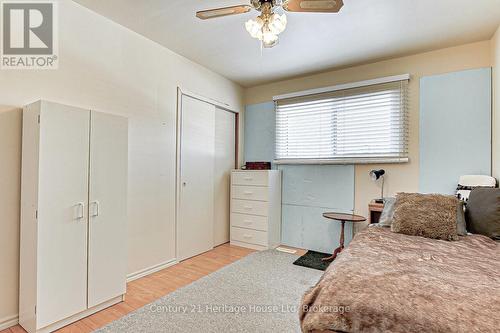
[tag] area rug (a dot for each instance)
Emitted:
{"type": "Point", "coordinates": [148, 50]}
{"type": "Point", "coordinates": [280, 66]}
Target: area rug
{"type": "Point", "coordinates": [259, 293]}
{"type": "Point", "coordinates": [312, 259]}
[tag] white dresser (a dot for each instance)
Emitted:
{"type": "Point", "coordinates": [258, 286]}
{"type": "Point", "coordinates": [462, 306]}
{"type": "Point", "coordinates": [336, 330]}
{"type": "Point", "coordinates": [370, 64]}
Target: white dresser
{"type": "Point", "coordinates": [256, 209]}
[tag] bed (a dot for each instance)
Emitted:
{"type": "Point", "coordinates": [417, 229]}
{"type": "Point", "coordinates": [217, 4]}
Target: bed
{"type": "Point", "coordinates": [389, 282]}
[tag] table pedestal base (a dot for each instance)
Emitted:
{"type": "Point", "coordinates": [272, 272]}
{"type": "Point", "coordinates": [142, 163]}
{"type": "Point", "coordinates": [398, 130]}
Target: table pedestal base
{"type": "Point", "coordinates": [334, 255]}
{"type": "Point", "coordinates": [340, 248]}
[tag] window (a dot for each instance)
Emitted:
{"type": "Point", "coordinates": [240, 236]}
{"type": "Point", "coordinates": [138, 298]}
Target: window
{"type": "Point", "coordinates": [366, 124]}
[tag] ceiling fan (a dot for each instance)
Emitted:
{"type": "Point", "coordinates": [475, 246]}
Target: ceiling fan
{"type": "Point", "coordinates": [269, 24]}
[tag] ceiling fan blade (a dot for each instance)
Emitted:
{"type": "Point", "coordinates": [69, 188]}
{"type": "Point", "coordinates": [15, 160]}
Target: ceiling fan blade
{"type": "Point", "coordinates": [225, 11]}
{"type": "Point", "coordinates": [313, 6]}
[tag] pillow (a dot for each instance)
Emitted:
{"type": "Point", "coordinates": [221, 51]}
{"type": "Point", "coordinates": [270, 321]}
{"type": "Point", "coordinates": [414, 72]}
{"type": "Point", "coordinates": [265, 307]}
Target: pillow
{"type": "Point", "coordinates": [483, 212]}
{"type": "Point", "coordinates": [388, 213]}
{"type": "Point", "coordinates": [426, 215]}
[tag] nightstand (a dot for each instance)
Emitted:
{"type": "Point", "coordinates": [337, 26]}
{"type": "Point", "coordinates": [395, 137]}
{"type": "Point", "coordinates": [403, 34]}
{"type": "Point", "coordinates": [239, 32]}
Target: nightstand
{"type": "Point", "coordinates": [374, 211]}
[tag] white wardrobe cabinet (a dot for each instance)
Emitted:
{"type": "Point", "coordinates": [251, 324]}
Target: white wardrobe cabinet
{"type": "Point", "coordinates": [73, 214]}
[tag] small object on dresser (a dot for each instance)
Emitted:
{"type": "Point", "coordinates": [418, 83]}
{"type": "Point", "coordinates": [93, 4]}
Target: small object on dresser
{"type": "Point", "coordinates": [257, 166]}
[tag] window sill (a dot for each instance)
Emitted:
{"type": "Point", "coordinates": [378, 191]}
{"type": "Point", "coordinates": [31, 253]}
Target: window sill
{"type": "Point", "coordinates": [347, 161]}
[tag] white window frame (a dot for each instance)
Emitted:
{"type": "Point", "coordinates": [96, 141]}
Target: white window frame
{"type": "Point", "coordinates": [345, 86]}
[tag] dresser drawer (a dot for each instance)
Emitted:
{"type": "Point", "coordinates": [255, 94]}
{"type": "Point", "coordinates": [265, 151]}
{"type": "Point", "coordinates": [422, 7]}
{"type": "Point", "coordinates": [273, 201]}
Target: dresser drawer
{"type": "Point", "coordinates": [249, 221]}
{"type": "Point", "coordinates": [250, 193]}
{"type": "Point", "coordinates": [249, 207]}
{"type": "Point", "coordinates": [253, 178]}
{"type": "Point", "coordinates": [249, 236]}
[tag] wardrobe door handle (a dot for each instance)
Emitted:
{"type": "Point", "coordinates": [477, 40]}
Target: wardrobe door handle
{"type": "Point", "coordinates": [96, 208]}
{"type": "Point", "coordinates": [80, 214]}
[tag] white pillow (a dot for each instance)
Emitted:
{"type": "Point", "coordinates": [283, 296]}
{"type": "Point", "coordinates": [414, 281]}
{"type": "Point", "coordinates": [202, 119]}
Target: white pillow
{"type": "Point", "coordinates": [467, 183]}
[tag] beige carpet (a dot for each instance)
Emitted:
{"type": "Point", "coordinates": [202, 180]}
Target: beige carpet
{"type": "Point", "coordinates": [259, 293]}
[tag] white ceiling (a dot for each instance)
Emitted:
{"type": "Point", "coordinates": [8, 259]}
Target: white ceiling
{"type": "Point", "coordinates": [364, 30]}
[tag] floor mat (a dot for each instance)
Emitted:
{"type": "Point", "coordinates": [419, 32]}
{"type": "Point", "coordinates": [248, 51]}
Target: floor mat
{"type": "Point", "coordinates": [312, 259]}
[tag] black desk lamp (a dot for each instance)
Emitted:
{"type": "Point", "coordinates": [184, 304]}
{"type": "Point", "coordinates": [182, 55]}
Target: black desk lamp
{"type": "Point", "coordinates": [376, 175]}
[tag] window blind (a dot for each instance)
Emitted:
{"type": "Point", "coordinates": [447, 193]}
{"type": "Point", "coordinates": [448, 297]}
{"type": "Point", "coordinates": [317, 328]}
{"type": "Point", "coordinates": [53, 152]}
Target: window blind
{"type": "Point", "coordinates": [357, 125]}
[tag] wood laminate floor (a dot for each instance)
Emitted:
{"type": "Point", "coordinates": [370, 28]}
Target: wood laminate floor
{"type": "Point", "coordinates": [147, 289]}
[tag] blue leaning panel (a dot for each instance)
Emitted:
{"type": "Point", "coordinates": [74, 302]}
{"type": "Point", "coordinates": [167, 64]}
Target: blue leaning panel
{"type": "Point", "coordinates": [306, 228]}
{"type": "Point", "coordinates": [260, 132]}
{"type": "Point", "coordinates": [455, 128]}
{"type": "Point", "coordinates": [308, 192]}
{"type": "Point", "coordinates": [319, 186]}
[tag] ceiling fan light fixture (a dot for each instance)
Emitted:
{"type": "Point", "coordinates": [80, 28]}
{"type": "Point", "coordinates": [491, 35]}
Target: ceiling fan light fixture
{"type": "Point", "coordinates": [270, 44]}
{"type": "Point", "coordinates": [277, 23]}
{"type": "Point", "coordinates": [269, 39]}
{"type": "Point", "coordinates": [254, 27]}
{"type": "Point", "coordinates": [267, 26]}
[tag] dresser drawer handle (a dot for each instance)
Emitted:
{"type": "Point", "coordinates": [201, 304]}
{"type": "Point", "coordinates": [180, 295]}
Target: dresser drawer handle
{"type": "Point", "coordinates": [247, 193]}
{"type": "Point", "coordinates": [247, 236]}
{"type": "Point", "coordinates": [248, 222]}
{"type": "Point", "coordinates": [248, 207]}
{"type": "Point", "coordinates": [248, 178]}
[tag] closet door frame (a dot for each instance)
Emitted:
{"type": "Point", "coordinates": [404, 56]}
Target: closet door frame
{"type": "Point", "coordinates": [180, 93]}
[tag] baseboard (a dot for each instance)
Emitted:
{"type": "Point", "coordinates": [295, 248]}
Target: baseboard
{"type": "Point", "coordinates": [150, 270]}
{"type": "Point", "coordinates": [9, 322]}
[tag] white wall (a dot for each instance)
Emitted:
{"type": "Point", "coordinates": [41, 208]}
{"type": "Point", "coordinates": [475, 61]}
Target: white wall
{"type": "Point", "coordinates": [107, 67]}
{"type": "Point", "coordinates": [495, 61]}
{"type": "Point", "coordinates": [10, 194]}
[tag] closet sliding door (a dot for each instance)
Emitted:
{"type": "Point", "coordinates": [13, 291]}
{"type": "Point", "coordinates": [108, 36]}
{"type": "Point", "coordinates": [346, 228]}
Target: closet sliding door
{"type": "Point", "coordinates": [207, 156]}
{"type": "Point", "coordinates": [107, 269]}
{"type": "Point", "coordinates": [195, 224]}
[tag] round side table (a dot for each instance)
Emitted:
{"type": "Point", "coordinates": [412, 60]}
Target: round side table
{"type": "Point", "coordinates": [342, 218]}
